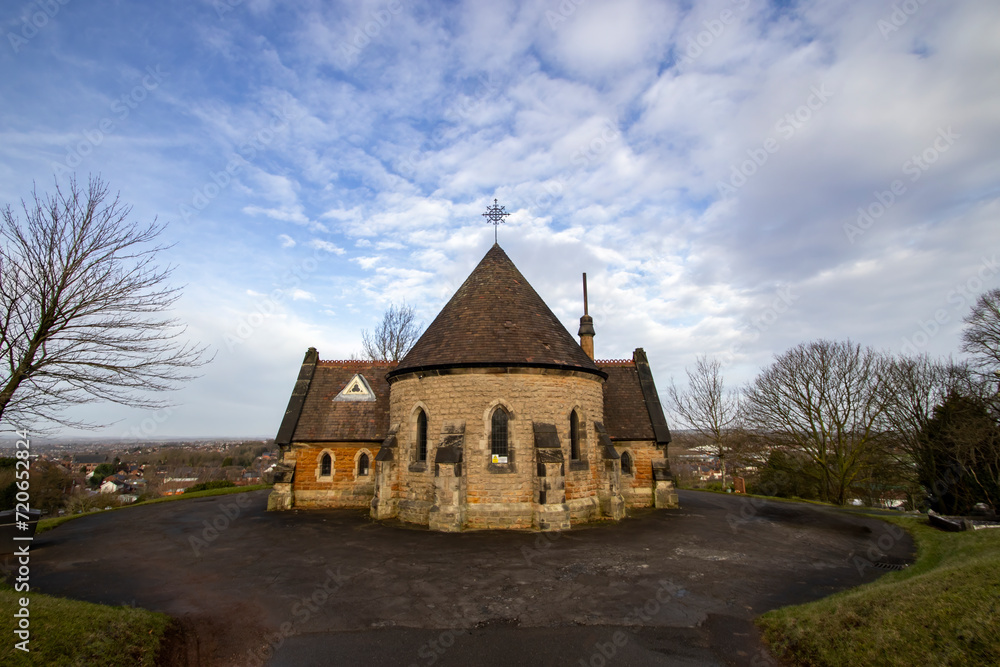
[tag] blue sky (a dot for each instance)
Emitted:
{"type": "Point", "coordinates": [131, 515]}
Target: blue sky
{"type": "Point", "coordinates": [734, 176]}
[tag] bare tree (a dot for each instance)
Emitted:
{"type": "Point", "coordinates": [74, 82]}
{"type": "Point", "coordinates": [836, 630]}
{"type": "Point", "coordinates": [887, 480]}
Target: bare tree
{"type": "Point", "coordinates": [708, 407]}
{"type": "Point", "coordinates": [944, 434]}
{"type": "Point", "coordinates": [81, 303]}
{"type": "Point", "coordinates": [981, 337]}
{"type": "Point", "coordinates": [916, 385]}
{"type": "Point", "coordinates": [393, 337]}
{"type": "Point", "coordinates": [826, 399]}
{"type": "Point", "coordinates": [960, 465]}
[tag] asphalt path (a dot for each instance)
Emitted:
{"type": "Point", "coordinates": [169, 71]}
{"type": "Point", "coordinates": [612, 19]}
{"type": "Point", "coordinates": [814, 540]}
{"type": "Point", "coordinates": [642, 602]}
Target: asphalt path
{"type": "Point", "coordinates": [332, 587]}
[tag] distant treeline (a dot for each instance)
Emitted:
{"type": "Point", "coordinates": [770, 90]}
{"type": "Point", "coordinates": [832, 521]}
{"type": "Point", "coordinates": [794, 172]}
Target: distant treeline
{"type": "Point", "coordinates": [242, 455]}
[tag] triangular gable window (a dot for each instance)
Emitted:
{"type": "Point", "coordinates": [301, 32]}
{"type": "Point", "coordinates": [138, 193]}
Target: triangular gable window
{"type": "Point", "coordinates": [357, 389]}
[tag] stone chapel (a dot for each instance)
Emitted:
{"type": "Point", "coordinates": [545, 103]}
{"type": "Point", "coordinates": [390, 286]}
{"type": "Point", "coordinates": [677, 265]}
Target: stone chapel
{"type": "Point", "coordinates": [496, 418]}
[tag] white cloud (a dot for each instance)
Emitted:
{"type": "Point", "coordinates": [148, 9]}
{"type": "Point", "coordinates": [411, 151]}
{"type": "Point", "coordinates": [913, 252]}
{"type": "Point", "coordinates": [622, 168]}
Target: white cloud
{"type": "Point", "coordinates": [320, 244]}
{"type": "Point", "coordinates": [283, 214]}
{"type": "Point", "coordinates": [604, 38]}
{"type": "Point", "coordinates": [607, 150]}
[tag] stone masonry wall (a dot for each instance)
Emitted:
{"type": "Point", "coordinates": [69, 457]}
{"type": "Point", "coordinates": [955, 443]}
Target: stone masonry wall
{"type": "Point", "coordinates": [344, 487]}
{"type": "Point", "coordinates": [637, 488]}
{"type": "Point", "coordinates": [496, 496]}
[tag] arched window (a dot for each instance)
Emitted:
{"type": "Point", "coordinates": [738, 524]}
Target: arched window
{"type": "Point", "coordinates": [574, 437]}
{"type": "Point", "coordinates": [363, 465]}
{"type": "Point", "coordinates": [421, 435]}
{"type": "Point", "coordinates": [626, 463]}
{"type": "Point", "coordinates": [498, 433]}
{"type": "Point", "coordinates": [325, 465]}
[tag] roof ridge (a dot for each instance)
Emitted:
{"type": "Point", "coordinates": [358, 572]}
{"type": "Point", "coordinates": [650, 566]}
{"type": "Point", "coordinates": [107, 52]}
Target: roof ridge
{"type": "Point", "coordinates": [357, 362]}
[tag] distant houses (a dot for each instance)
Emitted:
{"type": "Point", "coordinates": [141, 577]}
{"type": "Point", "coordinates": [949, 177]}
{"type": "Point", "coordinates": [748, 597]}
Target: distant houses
{"type": "Point", "coordinates": [88, 462]}
{"type": "Point", "coordinates": [125, 483]}
{"type": "Point", "coordinates": [176, 480]}
{"type": "Point", "coordinates": [83, 481]}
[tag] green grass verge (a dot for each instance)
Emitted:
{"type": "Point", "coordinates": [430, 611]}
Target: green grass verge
{"type": "Point", "coordinates": [942, 610]}
{"type": "Point", "coordinates": [50, 523]}
{"type": "Point", "coordinates": [70, 632]}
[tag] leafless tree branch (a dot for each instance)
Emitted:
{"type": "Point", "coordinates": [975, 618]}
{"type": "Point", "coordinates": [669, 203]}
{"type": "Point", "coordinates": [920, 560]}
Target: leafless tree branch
{"type": "Point", "coordinates": [981, 337]}
{"type": "Point", "coordinates": [81, 303]}
{"type": "Point", "coordinates": [708, 407]}
{"type": "Point", "coordinates": [827, 400]}
{"type": "Point", "coordinates": [393, 337]}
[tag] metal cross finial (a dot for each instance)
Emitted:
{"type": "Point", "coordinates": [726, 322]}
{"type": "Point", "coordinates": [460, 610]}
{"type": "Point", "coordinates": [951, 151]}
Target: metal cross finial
{"type": "Point", "coordinates": [495, 215]}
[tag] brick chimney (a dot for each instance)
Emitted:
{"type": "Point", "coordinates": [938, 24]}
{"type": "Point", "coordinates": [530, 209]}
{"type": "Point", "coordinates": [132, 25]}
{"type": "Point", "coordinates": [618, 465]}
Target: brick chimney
{"type": "Point", "coordinates": [586, 332]}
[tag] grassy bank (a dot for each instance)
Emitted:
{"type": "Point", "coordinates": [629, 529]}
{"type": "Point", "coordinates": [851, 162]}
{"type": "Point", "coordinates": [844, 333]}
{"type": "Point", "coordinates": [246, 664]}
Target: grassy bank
{"type": "Point", "coordinates": [70, 632]}
{"type": "Point", "coordinates": [943, 610]}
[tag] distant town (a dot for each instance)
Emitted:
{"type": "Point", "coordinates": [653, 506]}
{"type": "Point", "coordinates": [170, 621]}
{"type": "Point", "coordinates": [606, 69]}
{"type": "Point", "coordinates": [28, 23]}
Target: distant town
{"type": "Point", "coordinates": [73, 476]}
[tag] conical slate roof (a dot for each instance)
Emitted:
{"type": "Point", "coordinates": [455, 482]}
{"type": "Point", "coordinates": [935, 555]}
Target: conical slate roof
{"type": "Point", "coordinates": [496, 319]}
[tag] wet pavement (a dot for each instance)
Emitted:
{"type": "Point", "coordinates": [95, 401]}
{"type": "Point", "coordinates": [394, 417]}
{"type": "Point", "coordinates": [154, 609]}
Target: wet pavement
{"type": "Point", "coordinates": [332, 587]}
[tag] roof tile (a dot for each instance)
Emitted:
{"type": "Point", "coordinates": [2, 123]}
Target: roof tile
{"type": "Point", "coordinates": [496, 318]}
{"type": "Point", "coordinates": [625, 414]}
{"type": "Point", "coordinates": [324, 419]}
